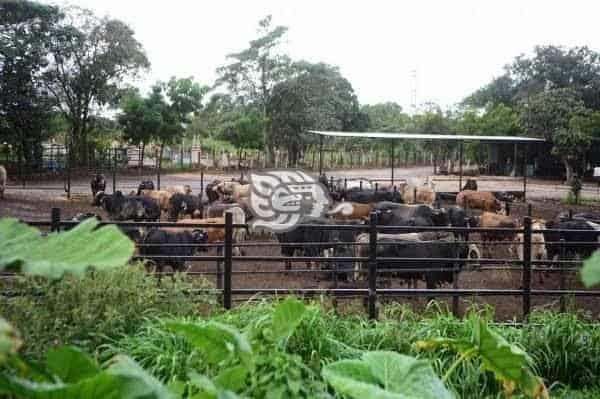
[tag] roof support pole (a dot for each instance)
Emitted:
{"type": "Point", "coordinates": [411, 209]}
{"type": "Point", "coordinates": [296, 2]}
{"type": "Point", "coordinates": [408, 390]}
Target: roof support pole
{"type": "Point", "coordinates": [320, 155]}
{"type": "Point", "coordinates": [393, 155]}
{"type": "Point", "coordinates": [460, 165]}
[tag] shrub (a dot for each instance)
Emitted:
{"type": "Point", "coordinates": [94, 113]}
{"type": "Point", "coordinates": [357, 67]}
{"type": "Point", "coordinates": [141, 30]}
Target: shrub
{"type": "Point", "coordinates": [102, 305]}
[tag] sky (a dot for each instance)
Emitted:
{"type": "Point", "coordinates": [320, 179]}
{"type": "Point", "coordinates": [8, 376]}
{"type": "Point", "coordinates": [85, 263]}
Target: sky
{"type": "Point", "coordinates": [453, 46]}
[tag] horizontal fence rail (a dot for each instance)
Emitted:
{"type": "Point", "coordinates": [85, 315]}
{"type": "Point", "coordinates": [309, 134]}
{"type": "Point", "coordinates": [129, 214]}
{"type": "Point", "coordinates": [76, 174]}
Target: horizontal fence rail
{"type": "Point", "coordinates": [362, 266]}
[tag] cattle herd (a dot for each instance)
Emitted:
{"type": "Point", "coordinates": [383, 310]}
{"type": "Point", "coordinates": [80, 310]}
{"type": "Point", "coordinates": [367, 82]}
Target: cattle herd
{"type": "Point", "coordinates": [355, 202]}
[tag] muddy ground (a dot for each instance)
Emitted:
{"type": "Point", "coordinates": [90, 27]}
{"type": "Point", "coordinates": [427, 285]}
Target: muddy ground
{"type": "Point", "coordinates": [32, 204]}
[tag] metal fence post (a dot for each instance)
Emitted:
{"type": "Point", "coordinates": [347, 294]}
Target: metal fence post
{"type": "Point", "coordinates": [372, 299]}
{"type": "Point", "coordinates": [201, 184]}
{"type": "Point", "coordinates": [529, 210]}
{"type": "Point", "coordinates": [526, 267]}
{"type": "Point", "coordinates": [55, 217]}
{"type": "Point", "coordinates": [507, 207]}
{"type": "Point", "coordinates": [227, 254]}
{"type": "Point", "coordinates": [158, 165]}
{"type": "Point", "coordinates": [561, 276]}
{"type": "Point", "coordinates": [114, 170]}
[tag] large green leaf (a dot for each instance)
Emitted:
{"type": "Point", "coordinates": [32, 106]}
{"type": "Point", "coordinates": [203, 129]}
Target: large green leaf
{"type": "Point", "coordinates": [385, 375]}
{"type": "Point", "coordinates": [134, 382]}
{"type": "Point", "coordinates": [405, 374]}
{"type": "Point", "coordinates": [71, 364]}
{"type": "Point", "coordinates": [208, 388]}
{"type": "Point", "coordinates": [71, 252]}
{"type": "Point", "coordinates": [124, 379]}
{"type": "Point", "coordinates": [233, 378]}
{"type": "Point", "coordinates": [215, 341]}
{"type": "Point", "coordinates": [510, 364]}
{"type": "Point", "coordinates": [590, 272]}
{"type": "Point", "coordinates": [287, 316]}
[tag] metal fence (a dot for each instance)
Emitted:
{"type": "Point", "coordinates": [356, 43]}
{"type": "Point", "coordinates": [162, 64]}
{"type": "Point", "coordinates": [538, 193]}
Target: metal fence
{"type": "Point", "coordinates": [227, 265]}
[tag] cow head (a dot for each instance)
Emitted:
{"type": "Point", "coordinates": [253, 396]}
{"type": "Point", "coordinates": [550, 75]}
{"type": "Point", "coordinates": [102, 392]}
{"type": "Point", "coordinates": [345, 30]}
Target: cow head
{"type": "Point", "coordinates": [145, 185]}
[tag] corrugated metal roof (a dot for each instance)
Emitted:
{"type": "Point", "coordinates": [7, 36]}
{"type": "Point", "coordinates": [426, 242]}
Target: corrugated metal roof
{"type": "Point", "coordinates": [420, 136]}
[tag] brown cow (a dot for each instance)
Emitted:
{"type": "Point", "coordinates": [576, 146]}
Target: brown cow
{"type": "Point", "coordinates": [351, 211]}
{"type": "Point", "coordinates": [160, 196]}
{"type": "Point", "coordinates": [484, 200]}
{"type": "Point", "coordinates": [217, 234]}
{"type": "Point", "coordinates": [425, 194]}
{"type": "Point", "coordinates": [492, 220]}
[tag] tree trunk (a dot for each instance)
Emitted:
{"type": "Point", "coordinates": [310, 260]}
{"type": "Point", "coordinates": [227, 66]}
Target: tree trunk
{"type": "Point", "coordinates": [568, 171]}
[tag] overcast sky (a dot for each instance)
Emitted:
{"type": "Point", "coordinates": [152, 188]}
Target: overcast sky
{"type": "Point", "coordinates": [454, 46]}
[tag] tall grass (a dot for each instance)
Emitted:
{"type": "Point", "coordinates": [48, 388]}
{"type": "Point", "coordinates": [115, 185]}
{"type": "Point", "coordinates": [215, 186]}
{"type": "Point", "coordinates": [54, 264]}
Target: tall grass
{"type": "Point", "coordinates": [565, 347]}
{"type": "Point", "coordinates": [102, 305]}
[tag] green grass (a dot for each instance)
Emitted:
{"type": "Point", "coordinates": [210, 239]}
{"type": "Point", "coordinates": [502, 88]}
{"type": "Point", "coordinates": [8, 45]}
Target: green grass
{"type": "Point", "coordinates": [565, 347]}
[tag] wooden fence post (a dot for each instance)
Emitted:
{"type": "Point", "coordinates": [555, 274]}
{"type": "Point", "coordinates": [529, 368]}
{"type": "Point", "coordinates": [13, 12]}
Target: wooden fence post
{"type": "Point", "coordinates": [526, 267]}
{"type": "Point", "coordinates": [227, 255]}
{"type": "Point", "coordinates": [372, 300]}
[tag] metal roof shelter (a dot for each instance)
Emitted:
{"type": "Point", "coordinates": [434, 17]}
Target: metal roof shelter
{"type": "Point", "coordinates": [431, 137]}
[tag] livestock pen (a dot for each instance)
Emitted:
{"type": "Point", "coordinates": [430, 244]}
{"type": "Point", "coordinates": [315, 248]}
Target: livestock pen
{"type": "Point", "coordinates": [232, 279]}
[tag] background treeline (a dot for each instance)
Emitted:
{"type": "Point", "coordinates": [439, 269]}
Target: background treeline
{"type": "Point", "coordinates": [64, 69]}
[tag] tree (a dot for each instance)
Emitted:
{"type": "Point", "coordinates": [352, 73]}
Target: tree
{"type": "Point", "coordinates": [244, 130]}
{"type": "Point", "coordinates": [253, 73]}
{"type": "Point", "coordinates": [90, 58]}
{"type": "Point", "coordinates": [550, 67]}
{"type": "Point", "coordinates": [25, 109]}
{"type": "Point", "coordinates": [385, 117]}
{"type": "Point", "coordinates": [139, 121]}
{"type": "Point", "coordinates": [214, 117]}
{"type": "Point", "coordinates": [175, 101]}
{"type": "Point", "coordinates": [316, 97]}
{"type": "Point", "coordinates": [571, 145]}
{"type": "Point", "coordinates": [560, 116]}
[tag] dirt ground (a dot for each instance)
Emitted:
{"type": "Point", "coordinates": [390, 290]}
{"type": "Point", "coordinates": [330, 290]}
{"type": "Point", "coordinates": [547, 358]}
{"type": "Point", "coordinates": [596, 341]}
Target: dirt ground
{"type": "Point", "coordinates": [35, 204]}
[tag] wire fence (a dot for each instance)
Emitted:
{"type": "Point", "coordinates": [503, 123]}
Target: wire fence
{"type": "Point", "coordinates": [364, 260]}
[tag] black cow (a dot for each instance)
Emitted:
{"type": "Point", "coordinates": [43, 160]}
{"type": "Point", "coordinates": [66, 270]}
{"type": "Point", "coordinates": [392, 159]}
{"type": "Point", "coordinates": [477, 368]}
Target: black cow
{"type": "Point", "coordinates": [152, 245]}
{"type": "Point", "coordinates": [303, 234]}
{"type": "Point", "coordinates": [370, 196]}
{"type": "Point", "coordinates": [98, 184]}
{"type": "Point", "coordinates": [120, 207]}
{"type": "Point", "coordinates": [571, 249]}
{"type": "Point", "coordinates": [145, 185]}
{"type": "Point", "coordinates": [419, 246]}
{"type": "Point", "coordinates": [184, 204]}
{"type": "Point", "coordinates": [593, 217]}
{"type": "Point", "coordinates": [471, 184]}
{"type": "Point", "coordinates": [410, 215]}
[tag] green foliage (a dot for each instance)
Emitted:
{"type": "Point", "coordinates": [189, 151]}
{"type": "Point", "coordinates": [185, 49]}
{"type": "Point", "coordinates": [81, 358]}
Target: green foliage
{"type": "Point", "coordinates": [590, 273]}
{"type": "Point", "coordinates": [73, 252]}
{"type": "Point", "coordinates": [509, 363]}
{"type": "Point", "coordinates": [385, 375]}
{"type": "Point", "coordinates": [96, 308]}
{"type": "Point", "coordinates": [71, 374]}
{"type": "Point", "coordinates": [26, 109]}
{"type": "Point", "coordinates": [565, 348]}
{"type": "Point", "coordinates": [91, 57]}
{"type": "Point", "coordinates": [157, 349]}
